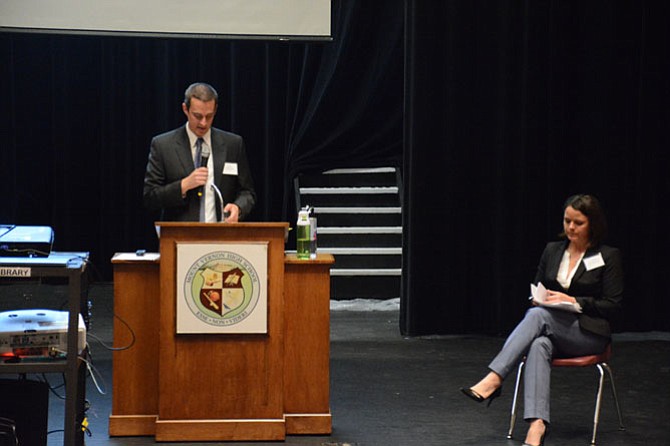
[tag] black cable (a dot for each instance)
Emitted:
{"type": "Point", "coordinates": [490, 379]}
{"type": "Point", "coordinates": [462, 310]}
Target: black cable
{"type": "Point", "coordinates": [31, 252]}
{"type": "Point", "coordinates": [53, 389]}
{"type": "Point", "coordinates": [117, 349]}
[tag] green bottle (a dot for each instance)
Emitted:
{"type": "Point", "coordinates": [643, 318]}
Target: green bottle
{"type": "Point", "coordinates": [303, 238]}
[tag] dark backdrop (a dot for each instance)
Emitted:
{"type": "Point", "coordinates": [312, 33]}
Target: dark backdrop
{"type": "Point", "coordinates": [512, 106]}
{"type": "Point", "coordinates": [77, 115]}
{"type": "Point", "coordinates": [497, 110]}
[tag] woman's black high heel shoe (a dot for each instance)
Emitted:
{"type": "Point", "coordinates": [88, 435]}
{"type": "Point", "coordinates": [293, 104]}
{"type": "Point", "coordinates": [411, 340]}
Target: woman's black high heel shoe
{"type": "Point", "coordinates": [477, 397]}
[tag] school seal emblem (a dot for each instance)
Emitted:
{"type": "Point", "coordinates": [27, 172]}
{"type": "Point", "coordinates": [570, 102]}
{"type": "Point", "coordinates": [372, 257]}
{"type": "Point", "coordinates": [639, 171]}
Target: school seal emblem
{"type": "Point", "coordinates": [221, 288]}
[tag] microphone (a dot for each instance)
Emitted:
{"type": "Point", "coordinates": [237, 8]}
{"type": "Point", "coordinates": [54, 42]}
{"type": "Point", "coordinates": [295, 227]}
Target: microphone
{"type": "Point", "coordinates": [204, 158]}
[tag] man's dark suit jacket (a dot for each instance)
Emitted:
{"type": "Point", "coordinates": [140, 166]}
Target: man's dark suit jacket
{"type": "Point", "coordinates": [170, 160]}
{"type": "Point", "coordinates": [599, 291]}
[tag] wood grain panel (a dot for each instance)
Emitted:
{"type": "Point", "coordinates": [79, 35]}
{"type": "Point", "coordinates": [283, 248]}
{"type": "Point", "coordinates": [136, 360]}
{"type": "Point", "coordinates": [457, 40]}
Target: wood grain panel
{"type": "Point", "coordinates": [307, 351]}
{"type": "Point", "coordinates": [220, 377]}
{"type": "Point", "coordinates": [135, 369]}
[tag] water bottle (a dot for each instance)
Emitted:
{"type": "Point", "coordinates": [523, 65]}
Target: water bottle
{"type": "Point", "coordinates": [312, 235]}
{"type": "Point", "coordinates": [303, 236]}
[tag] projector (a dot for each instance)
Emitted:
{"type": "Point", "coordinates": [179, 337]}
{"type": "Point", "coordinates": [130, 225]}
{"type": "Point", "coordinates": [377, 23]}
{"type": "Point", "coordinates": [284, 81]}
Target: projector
{"type": "Point", "coordinates": [37, 333]}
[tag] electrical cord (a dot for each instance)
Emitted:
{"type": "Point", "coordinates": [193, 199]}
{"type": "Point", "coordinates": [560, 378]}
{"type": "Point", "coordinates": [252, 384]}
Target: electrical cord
{"type": "Point", "coordinates": [92, 370]}
{"type": "Point", "coordinates": [117, 349]}
{"type": "Point", "coordinates": [102, 389]}
{"type": "Point", "coordinates": [53, 389]}
{"type": "Point", "coordinates": [29, 251]}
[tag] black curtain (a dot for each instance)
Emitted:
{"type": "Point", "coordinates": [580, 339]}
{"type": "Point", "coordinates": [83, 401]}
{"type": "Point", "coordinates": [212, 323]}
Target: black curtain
{"type": "Point", "coordinates": [78, 112]}
{"type": "Point", "coordinates": [498, 110]}
{"type": "Point", "coordinates": [512, 106]}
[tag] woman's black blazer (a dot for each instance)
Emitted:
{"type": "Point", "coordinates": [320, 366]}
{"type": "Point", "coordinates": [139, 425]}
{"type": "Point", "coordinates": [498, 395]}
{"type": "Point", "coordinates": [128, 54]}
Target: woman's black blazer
{"type": "Point", "coordinates": [599, 291]}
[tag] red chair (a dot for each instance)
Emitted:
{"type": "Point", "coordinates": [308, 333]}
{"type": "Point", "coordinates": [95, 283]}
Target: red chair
{"type": "Point", "coordinates": [600, 361]}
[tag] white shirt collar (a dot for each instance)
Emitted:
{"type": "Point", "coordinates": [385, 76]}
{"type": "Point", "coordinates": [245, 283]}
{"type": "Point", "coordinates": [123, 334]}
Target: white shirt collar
{"type": "Point", "coordinates": [564, 276]}
{"type": "Point", "coordinates": [192, 138]}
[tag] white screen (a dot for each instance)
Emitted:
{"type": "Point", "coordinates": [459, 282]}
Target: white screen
{"type": "Point", "coordinates": [217, 18]}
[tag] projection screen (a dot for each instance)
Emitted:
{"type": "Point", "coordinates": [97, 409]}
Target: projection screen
{"type": "Point", "coordinates": [261, 19]}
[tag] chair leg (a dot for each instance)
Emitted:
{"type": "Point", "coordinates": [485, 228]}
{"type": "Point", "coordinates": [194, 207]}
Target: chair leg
{"type": "Point", "coordinates": [596, 414]}
{"type": "Point", "coordinates": [614, 395]}
{"type": "Point", "coordinates": [512, 419]}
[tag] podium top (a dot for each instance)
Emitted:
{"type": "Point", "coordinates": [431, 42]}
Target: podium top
{"type": "Point", "coordinates": [154, 257]}
{"type": "Point", "coordinates": [321, 258]}
{"type": "Point", "coordinates": [203, 229]}
{"type": "Point", "coordinates": [134, 257]}
{"type": "Point", "coordinates": [195, 224]}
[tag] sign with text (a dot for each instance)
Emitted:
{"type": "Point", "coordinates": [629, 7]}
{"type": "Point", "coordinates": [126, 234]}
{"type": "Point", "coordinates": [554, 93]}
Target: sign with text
{"type": "Point", "coordinates": [15, 272]}
{"type": "Point", "coordinates": [222, 287]}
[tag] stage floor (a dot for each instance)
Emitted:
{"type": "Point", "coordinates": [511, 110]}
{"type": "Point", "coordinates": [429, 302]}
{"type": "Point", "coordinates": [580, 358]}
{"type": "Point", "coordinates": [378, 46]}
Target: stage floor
{"type": "Point", "coordinates": [387, 390]}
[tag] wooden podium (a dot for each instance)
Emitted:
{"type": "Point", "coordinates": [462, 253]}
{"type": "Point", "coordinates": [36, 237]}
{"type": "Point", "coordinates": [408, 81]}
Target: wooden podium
{"type": "Point", "coordinates": [221, 387]}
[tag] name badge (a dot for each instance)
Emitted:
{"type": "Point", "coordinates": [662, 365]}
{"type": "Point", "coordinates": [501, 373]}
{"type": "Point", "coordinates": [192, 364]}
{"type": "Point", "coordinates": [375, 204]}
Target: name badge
{"type": "Point", "coordinates": [230, 169]}
{"type": "Point", "coordinates": [594, 262]}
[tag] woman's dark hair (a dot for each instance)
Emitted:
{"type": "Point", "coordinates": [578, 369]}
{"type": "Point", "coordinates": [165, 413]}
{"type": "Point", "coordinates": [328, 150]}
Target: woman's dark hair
{"type": "Point", "coordinates": [590, 207]}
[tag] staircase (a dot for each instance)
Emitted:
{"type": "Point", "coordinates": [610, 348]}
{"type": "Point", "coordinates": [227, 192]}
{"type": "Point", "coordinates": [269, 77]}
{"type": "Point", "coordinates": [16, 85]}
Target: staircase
{"type": "Point", "coordinates": [359, 221]}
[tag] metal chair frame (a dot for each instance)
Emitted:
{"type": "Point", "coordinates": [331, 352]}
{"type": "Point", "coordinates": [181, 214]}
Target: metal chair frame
{"type": "Point", "coordinates": [600, 362]}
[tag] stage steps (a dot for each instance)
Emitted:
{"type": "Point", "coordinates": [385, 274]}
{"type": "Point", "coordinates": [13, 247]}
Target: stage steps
{"type": "Point", "coordinates": [359, 218]}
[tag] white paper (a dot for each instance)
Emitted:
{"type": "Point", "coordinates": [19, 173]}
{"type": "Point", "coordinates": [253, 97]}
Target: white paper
{"type": "Point", "coordinates": [538, 292]}
{"type": "Point", "coordinates": [594, 262]}
{"type": "Point", "coordinates": [539, 296]}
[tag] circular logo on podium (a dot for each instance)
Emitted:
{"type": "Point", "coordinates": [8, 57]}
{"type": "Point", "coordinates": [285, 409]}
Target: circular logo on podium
{"type": "Point", "coordinates": [221, 288]}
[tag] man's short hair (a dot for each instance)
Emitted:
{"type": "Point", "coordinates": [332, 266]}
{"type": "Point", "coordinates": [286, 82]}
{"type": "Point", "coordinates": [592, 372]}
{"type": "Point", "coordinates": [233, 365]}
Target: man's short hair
{"type": "Point", "coordinates": [202, 91]}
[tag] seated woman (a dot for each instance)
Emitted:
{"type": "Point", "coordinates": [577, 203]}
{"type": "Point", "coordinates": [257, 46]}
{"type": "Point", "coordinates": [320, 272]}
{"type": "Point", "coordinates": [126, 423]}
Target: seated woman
{"type": "Point", "coordinates": [578, 270]}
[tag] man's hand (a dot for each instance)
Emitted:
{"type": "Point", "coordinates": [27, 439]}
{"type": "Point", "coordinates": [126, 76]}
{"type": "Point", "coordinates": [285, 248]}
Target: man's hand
{"type": "Point", "coordinates": [234, 213]}
{"type": "Point", "coordinates": [195, 179]}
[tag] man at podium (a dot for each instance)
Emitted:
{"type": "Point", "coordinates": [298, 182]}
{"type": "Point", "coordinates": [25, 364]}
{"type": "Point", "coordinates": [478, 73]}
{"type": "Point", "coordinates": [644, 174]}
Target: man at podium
{"type": "Point", "coordinates": [197, 172]}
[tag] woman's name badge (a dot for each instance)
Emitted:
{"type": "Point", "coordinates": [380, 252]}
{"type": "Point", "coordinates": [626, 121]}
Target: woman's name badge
{"type": "Point", "coordinates": [230, 169]}
{"type": "Point", "coordinates": [594, 262]}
